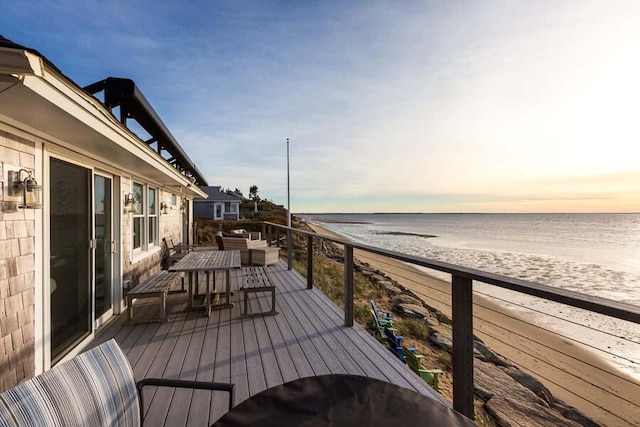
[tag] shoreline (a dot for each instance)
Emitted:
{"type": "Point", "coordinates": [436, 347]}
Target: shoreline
{"type": "Point", "coordinates": [562, 366]}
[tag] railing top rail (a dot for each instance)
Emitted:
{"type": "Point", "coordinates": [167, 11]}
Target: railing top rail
{"type": "Point", "coordinates": [596, 304]}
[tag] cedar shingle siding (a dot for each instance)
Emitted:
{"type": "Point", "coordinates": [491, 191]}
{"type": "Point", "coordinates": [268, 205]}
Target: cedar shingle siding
{"type": "Point", "coordinates": [17, 273]}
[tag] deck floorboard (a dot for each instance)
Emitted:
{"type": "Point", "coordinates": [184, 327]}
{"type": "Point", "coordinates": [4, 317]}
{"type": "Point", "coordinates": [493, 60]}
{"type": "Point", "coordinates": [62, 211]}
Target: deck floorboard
{"type": "Point", "coordinates": [306, 338]}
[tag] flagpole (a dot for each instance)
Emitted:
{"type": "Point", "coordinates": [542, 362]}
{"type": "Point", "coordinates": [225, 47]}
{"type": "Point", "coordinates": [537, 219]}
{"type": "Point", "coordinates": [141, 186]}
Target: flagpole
{"type": "Point", "coordinates": [288, 189]}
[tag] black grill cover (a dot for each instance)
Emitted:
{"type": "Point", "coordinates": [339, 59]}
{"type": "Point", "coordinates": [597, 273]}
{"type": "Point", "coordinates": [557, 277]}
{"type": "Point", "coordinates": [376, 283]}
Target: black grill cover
{"type": "Point", "coordinates": [341, 400]}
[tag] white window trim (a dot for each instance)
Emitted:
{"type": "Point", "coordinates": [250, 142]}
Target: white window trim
{"type": "Point", "coordinates": [153, 217]}
{"type": "Point", "coordinates": [146, 247]}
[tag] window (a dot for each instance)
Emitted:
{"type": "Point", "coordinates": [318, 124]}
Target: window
{"type": "Point", "coordinates": [145, 217]}
{"type": "Point", "coordinates": [138, 216]}
{"type": "Point", "coordinates": [174, 200]}
{"type": "Point", "coordinates": [153, 217]}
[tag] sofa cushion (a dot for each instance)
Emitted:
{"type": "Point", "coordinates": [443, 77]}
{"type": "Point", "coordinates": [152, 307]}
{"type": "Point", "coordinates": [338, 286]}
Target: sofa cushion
{"type": "Point", "coordinates": [96, 388]}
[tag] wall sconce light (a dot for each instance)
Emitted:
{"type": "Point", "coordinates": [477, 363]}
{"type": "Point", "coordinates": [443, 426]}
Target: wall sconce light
{"type": "Point", "coordinates": [184, 204]}
{"type": "Point", "coordinates": [28, 190]}
{"type": "Point", "coordinates": [129, 202]}
{"type": "Point", "coordinates": [164, 208]}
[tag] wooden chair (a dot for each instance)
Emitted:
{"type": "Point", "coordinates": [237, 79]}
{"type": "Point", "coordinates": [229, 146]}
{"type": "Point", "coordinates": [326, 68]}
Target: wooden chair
{"type": "Point", "coordinates": [380, 325]}
{"type": "Point", "coordinates": [429, 375]}
{"type": "Point", "coordinates": [395, 343]}
{"type": "Point", "coordinates": [175, 253]}
{"type": "Point", "coordinates": [382, 314]}
{"type": "Point", "coordinates": [180, 247]}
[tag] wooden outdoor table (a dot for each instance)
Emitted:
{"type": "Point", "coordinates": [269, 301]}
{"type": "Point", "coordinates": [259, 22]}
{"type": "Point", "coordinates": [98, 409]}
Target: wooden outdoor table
{"type": "Point", "coordinates": [208, 262]}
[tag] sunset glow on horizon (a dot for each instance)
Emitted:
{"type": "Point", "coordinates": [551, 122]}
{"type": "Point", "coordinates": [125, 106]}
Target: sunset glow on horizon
{"type": "Point", "coordinates": [421, 106]}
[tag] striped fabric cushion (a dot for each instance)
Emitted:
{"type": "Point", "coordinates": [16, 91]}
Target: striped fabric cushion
{"type": "Point", "coordinates": [94, 389]}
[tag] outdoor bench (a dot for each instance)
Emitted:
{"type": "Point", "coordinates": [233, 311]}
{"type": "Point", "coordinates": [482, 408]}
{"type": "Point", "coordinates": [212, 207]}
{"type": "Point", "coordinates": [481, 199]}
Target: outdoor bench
{"type": "Point", "coordinates": [257, 281]}
{"type": "Point", "coordinates": [96, 388]}
{"type": "Point", "coordinates": [156, 286]}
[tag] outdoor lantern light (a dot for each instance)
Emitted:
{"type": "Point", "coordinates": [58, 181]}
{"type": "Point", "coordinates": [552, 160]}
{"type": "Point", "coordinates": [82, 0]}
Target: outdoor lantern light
{"type": "Point", "coordinates": [129, 202]}
{"type": "Point", "coordinates": [28, 189]}
{"type": "Point", "coordinates": [164, 208]}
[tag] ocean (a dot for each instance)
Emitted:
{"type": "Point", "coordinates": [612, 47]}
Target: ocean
{"type": "Point", "coordinates": [595, 254]}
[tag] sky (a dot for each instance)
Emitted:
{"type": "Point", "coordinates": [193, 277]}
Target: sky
{"type": "Point", "coordinates": [389, 106]}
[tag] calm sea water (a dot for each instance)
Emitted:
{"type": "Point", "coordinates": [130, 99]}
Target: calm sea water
{"type": "Point", "coordinates": [596, 254]}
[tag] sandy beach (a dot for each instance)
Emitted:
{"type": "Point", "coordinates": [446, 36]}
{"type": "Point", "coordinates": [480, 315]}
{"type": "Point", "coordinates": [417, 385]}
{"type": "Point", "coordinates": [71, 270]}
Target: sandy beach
{"type": "Point", "coordinates": [608, 395]}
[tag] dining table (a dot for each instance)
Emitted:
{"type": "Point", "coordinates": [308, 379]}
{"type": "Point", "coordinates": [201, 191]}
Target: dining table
{"type": "Point", "coordinates": [342, 400]}
{"type": "Point", "coordinates": [208, 262]}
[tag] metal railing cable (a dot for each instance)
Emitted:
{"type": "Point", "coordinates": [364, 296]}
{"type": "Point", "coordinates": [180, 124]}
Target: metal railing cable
{"type": "Point", "coordinates": [409, 278]}
{"type": "Point", "coordinates": [553, 349]}
{"type": "Point", "coordinates": [558, 333]}
{"type": "Point", "coordinates": [559, 318]}
{"type": "Point", "coordinates": [538, 374]}
{"type": "Point", "coordinates": [448, 304]}
{"type": "Point", "coordinates": [541, 344]}
{"type": "Point", "coordinates": [551, 331]}
{"type": "Point", "coordinates": [525, 307]}
{"type": "Point", "coordinates": [537, 327]}
{"type": "Point", "coordinates": [549, 362]}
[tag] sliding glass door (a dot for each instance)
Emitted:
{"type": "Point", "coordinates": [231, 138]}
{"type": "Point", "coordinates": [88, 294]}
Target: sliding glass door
{"type": "Point", "coordinates": [70, 256]}
{"type": "Point", "coordinates": [81, 250]}
{"type": "Point", "coordinates": [104, 247]}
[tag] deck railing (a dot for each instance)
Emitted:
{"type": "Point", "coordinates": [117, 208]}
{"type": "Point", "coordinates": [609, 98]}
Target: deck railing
{"type": "Point", "coordinates": [462, 279]}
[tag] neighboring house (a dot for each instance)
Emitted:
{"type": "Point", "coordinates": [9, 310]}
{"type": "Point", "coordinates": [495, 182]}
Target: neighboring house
{"type": "Point", "coordinates": [107, 200]}
{"type": "Point", "coordinates": [219, 205]}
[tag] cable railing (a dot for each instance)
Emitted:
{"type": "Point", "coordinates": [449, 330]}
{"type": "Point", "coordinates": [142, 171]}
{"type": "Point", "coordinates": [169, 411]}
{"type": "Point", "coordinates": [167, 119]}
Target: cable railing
{"type": "Point", "coordinates": [462, 307]}
{"type": "Point", "coordinates": [481, 330]}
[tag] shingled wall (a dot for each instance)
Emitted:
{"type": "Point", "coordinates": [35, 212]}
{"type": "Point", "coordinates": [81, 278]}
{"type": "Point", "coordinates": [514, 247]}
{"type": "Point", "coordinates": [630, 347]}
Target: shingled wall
{"type": "Point", "coordinates": [17, 273]}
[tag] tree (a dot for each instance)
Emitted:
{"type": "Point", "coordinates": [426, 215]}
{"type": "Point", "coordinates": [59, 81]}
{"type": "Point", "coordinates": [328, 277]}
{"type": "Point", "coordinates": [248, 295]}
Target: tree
{"type": "Point", "coordinates": [253, 192]}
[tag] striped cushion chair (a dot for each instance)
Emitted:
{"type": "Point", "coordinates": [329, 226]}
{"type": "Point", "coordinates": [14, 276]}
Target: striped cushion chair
{"type": "Point", "coordinates": [96, 388]}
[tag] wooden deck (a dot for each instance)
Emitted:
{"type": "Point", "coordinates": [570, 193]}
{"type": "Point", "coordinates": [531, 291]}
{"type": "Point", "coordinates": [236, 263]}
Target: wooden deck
{"type": "Point", "coordinates": [306, 338]}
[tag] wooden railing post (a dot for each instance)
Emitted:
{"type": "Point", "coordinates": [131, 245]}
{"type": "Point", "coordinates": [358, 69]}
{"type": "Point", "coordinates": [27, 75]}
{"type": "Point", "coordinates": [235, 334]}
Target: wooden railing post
{"type": "Point", "coordinates": [462, 314]}
{"type": "Point", "coordinates": [268, 235]}
{"type": "Point", "coordinates": [309, 261]}
{"type": "Point", "coordinates": [348, 285]}
{"type": "Point", "coordinates": [264, 230]}
{"type": "Point", "coordinates": [289, 249]}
